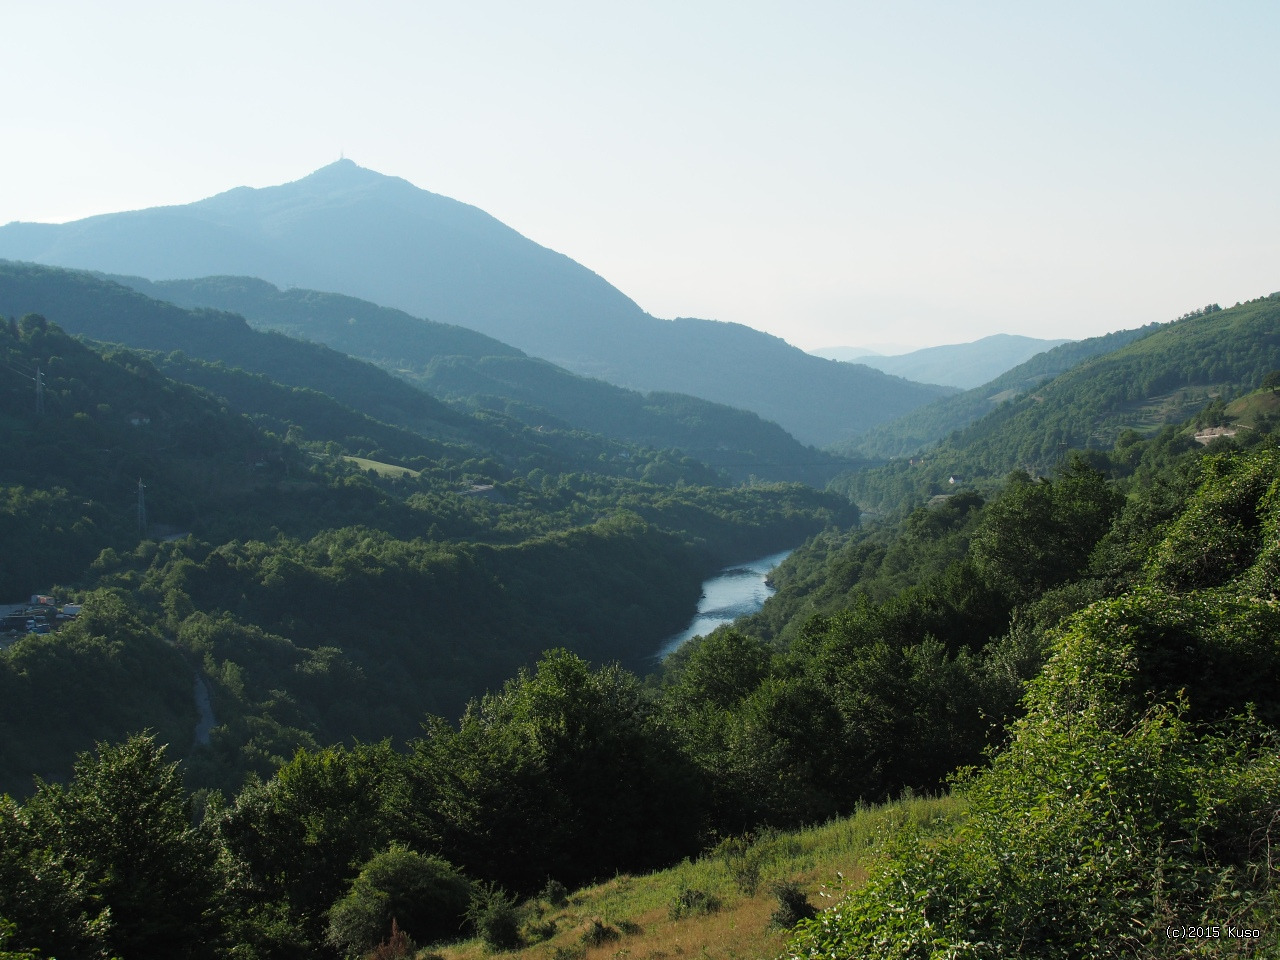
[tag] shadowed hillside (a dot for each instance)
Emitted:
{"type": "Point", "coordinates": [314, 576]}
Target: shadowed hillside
{"type": "Point", "coordinates": [357, 232]}
{"type": "Point", "coordinates": [457, 364]}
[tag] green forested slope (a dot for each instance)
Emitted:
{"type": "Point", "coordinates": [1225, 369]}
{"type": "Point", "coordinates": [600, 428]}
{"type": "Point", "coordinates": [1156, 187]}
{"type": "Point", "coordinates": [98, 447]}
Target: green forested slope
{"type": "Point", "coordinates": [107, 422]}
{"type": "Point", "coordinates": [390, 338]}
{"type": "Point", "coordinates": [309, 416]}
{"type": "Point", "coordinates": [481, 373]}
{"type": "Point", "coordinates": [82, 303]}
{"type": "Point", "coordinates": [1142, 604]}
{"type": "Point", "coordinates": [922, 428]}
{"type": "Point", "coordinates": [1132, 810]}
{"type": "Point", "coordinates": [1160, 379]}
{"type": "Point", "coordinates": [319, 601]}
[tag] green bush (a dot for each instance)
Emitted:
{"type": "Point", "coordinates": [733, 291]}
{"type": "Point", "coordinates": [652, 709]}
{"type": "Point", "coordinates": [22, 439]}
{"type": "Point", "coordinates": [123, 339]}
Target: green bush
{"type": "Point", "coordinates": [538, 930]}
{"type": "Point", "coordinates": [691, 902]}
{"type": "Point", "coordinates": [494, 915]}
{"type": "Point", "coordinates": [793, 905]}
{"type": "Point", "coordinates": [1085, 839]}
{"type": "Point", "coordinates": [555, 893]}
{"type": "Point", "coordinates": [1218, 534]}
{"type": "Point", "coordinates": [742, 860]}
{"type": "Point", "coordinates": [598, 932]}
{"type": "Point", "coordinates": [6, 931]}
{"type": "Point", "coordinates": [424, 897]}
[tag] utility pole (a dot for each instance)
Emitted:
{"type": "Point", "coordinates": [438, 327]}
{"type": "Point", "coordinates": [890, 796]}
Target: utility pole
{"type": "Point", "coordinates": [142, 510]}
{"type": "Point", "coordinates": [39, 391]}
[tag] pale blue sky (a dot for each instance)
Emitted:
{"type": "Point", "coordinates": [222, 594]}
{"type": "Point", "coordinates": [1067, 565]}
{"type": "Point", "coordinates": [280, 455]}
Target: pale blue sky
{"type": "Point", "coordinates": [834, 173]}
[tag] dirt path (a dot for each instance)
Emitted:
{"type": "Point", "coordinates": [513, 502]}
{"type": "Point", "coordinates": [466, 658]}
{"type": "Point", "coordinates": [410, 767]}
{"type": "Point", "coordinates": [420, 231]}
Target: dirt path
{"type": "Point", "coordinates": [206, 723]}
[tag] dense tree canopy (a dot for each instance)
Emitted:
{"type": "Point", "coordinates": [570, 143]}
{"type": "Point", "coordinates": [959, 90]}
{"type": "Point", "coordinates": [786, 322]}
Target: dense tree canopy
{"type": "Point", "coordinates": [1097, 644]}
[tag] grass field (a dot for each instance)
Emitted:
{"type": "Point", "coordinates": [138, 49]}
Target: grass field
{"type": "Point", "coordinates": [382, 469]}
{"type": "Point", "coordinates": [727, 893]}
{"type": "Point", "coordinates": [1247, 409]}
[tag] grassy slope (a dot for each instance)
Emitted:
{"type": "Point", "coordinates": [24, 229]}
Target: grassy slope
{"type": "Point", "coordinates": [638, 908]}
{"type": "Point", "coordinates": [1245, 411]}
{"type": "Point", "coordinates": [380, 468]}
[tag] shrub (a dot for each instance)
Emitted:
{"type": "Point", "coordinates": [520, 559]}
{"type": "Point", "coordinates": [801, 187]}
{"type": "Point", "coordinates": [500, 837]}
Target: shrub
{"type": "Point", "coordinates": [793, 905]}
{"type": "Point", "coordinates": [555, 893]}
{"type": "Point", "coordinates": [6, 931]}
{"type": "Point", "coordinates": [691, 902]}
{"type": "Point", "coordinates": [1083, 841]}
{"type": "Point", "coordinates": [742, 860]}
{"type": "Point", "coordinates": [398, 946]}
{"type": "Point", "coordinates": [425, 897]}
{"type": "Point", "coordinates": [598, 932]}
{"type": "Point", "coordinates": [495, 917]}
{"type": "Point", "coordinates": [537, 930]}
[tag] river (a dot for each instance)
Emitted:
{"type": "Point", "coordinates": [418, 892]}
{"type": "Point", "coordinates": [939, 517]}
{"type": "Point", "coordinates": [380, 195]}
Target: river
{"type": "Point", "coordinates": [734, 592]}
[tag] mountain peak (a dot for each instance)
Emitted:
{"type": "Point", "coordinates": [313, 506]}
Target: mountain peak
{"type": "Point", "coordinates": [343, 165]}
{"type": "Point", "coordinates": [350, 230]}
{"type": "Point", "coordinates": [340, 180]}
{"type": "Point", "coordinates": [344, 172]}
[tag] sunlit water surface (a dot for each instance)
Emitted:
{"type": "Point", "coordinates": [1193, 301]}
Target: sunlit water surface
{"type": "Point", "coordinates": [734, 592]}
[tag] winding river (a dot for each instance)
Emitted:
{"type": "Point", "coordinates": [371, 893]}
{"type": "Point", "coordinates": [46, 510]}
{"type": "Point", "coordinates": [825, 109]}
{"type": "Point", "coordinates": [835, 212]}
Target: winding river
{"type": "Point", "coordinates": [732, 593]}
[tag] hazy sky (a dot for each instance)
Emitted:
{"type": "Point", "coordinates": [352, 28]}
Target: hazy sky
{"type": "Point", "coordinates": [834, 173]}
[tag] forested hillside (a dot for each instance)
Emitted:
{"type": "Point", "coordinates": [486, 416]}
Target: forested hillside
{"type": "Point", "coordinates": [1163, 378]}
{"type": "Point", "coordinates": [360, 233]}
{"type": "Point", "coordinates": [84, 428]}
{"type": "Point", "coordinates": [1133, 590]}
{"type": "Point", "coordinates": [456, 364]}
{"type": "Point", "coordinates": [83, 304]}
{"type": "Point", "coordinates": [391, 338]}
{"type": "Point", "coordinates": [318, 597]}
{"type": "Point", "coordinates": [422, 703]}
{"type": "Point", "coordinates": [451, 363]}
{"type": "Point", "coordinates": [924, 427]}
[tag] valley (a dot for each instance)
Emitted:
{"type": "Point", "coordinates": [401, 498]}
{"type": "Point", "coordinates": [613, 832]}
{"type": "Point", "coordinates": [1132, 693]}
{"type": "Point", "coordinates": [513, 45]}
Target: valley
{"type": "Point", "coordinates": [367, 609]}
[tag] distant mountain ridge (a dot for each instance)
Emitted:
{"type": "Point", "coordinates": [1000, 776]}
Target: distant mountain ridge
{"type": "Point", "coordinates": [1091, 395]}
{"type": "Point", "coordinates": [963, 365]}
{"type": "Point", "coordinates": [86, 305]}
{"type": "Point", "coordinates": [342, 335]}
{"type": "Point", "coordinates": [353, 231]}
{"type": "Point", "coordinates": [926, 426]}
{"type": "Point", "coordinates": [847, 354]}
{"type": "Point", "coordinates": [457, 364]}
